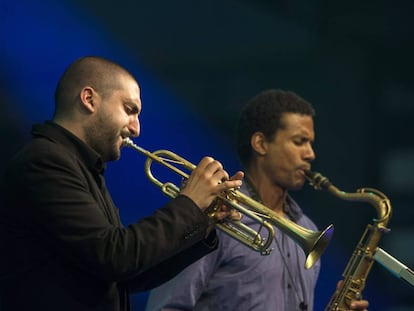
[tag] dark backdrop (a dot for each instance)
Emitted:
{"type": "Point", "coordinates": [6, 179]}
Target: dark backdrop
{"type": "Point", "coordinates": [198, 62]}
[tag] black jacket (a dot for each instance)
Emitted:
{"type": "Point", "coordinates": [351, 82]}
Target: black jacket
{"type": "Point", "coordinates": [62, 245]}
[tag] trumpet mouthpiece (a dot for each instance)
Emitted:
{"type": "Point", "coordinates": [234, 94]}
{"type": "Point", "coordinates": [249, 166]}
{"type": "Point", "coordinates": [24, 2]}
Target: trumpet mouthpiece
{"type": "Point", "coordinates": [127, 142]}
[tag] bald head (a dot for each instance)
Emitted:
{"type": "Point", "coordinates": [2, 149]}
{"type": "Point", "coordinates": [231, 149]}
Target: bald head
{"type": "Point", "coordinates": [96, 72]}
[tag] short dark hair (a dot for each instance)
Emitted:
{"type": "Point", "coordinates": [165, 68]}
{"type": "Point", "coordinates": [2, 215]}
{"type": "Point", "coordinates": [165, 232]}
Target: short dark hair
{"type": "Point", "coordinates": [94, 71]}
{"type": "Point", "coordinates": [263, 113]}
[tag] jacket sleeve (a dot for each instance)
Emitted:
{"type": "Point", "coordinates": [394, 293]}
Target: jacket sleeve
{"type": "Point", "coordinates": [184, 291]}
{"type": "Point", "coordinates": [167, 269]}
{"type": "Point", "coordinates": [66, 220]}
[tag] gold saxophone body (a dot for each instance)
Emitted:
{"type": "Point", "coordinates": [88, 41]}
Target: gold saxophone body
{"type": "Point", "coordinates": [357, 269]}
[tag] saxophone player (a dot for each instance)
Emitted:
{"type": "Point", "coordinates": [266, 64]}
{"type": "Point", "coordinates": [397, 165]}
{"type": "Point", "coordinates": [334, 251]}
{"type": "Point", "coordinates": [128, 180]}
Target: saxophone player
{"type": "Point", "coordinates": [274, 142]}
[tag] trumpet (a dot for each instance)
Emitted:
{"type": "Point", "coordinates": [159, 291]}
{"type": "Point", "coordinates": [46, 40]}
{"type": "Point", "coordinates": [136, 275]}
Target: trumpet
{"type": "Point", "coordinates": [313, 243]}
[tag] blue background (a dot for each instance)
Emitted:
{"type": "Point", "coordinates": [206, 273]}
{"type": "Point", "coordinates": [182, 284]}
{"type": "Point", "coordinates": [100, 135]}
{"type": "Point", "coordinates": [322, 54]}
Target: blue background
{"type": "Point", "coordinates": [198, 62]}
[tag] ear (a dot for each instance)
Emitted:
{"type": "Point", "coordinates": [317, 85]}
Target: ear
{"type": "Point", "coordinates": [258, 143]}
{"type": "Point", "coordinates": [88, 98]}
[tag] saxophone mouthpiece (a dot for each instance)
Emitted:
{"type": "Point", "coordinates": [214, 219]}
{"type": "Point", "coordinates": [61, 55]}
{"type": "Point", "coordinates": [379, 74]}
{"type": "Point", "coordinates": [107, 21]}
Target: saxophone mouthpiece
{"type": "Point", "coordinates": [309, 175]}
{"type": "Point", "coordinates": [317, 180]}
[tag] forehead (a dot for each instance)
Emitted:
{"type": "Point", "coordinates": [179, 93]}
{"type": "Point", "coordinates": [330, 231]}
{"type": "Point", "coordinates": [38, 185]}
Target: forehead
{"type": "Point", "coordinates": [297, 124]}
{"type": "Point", "coordinates": [127, 83]}
{"type": "Point", "coordinates": [128, 89]}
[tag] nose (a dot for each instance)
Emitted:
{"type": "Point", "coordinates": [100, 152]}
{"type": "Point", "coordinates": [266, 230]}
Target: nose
{"type": "Point", "coordinates": [309, 154]}
{"type": "Point", "coordinates": [134, 126]}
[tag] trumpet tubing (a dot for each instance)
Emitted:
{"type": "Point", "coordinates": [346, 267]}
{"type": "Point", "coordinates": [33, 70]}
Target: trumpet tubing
{"type": "Point", "coordinates": [313, 243]}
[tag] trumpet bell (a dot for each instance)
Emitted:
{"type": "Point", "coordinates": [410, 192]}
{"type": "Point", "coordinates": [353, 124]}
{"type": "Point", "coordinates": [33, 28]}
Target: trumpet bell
{"type": "Point", "coordinates": [315, 244]}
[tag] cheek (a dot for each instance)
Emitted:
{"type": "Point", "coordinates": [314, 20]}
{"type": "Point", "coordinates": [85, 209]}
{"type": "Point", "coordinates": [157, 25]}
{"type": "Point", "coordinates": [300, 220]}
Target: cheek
{"type": "Point", "coordinates": [118, 121]}
{"type": "Point", "coordinates": [294, 154]}
{"type": "Point", "coordinates": [286, 155]}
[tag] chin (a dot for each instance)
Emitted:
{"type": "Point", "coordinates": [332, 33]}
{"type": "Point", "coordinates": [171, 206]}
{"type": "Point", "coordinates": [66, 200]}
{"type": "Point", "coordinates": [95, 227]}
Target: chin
{"type": "Point", "coordinates": [295, 188]}
{"type": "Point", "coordinates": [298, 185]}
{"type": "Point", "coordinates": [114, 155]}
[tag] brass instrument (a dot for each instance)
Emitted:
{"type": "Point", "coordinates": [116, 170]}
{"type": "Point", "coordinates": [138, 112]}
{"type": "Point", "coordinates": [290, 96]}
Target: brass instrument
{"type": "Point", "coordinates": [357, 269]}
{"type": "Point", "coordinates": [313, 243]}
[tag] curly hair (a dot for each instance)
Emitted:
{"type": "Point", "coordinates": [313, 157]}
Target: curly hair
{"type": "Point", "coordinates": [263, 113]}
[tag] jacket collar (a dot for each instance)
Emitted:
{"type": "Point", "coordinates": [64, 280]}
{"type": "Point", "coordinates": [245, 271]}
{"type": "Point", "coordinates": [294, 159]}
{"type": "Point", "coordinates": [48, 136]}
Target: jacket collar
{"type": "Point", "coordinates": [58, 134]}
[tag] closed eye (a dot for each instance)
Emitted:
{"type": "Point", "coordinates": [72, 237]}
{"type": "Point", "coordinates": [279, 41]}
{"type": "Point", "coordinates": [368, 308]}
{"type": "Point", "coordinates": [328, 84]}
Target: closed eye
{"type": "Point", "coordinates": [131, 109]}
{"type": "Point", "coordinates": [299, 141]}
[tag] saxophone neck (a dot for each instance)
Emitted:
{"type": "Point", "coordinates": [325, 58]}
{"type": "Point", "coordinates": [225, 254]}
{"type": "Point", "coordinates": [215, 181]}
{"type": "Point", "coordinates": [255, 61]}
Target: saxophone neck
{"type": "Point", "coordinates": [382, 204]}
{"type": "Point", "coordinates": [369, 195]}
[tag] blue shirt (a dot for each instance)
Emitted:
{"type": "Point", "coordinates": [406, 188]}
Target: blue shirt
{"type": "Point", "coordinates": [234, 277]}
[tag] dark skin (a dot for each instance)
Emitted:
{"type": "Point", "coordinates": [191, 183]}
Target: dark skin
{"type": "Point", "coordinates": [278, 166]}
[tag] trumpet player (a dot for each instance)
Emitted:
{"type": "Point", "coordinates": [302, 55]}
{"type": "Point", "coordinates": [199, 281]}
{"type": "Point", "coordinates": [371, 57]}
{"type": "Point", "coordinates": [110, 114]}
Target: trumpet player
{"type": "Point", "coordinates": [62, 244]}
{"type": "Point", "coordinates": [274, 142]}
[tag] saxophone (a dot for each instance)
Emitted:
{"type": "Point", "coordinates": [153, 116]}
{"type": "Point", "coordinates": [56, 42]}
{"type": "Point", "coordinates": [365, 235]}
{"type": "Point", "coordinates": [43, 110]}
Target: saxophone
{"type": "Point", "coordinates": [357, 269]}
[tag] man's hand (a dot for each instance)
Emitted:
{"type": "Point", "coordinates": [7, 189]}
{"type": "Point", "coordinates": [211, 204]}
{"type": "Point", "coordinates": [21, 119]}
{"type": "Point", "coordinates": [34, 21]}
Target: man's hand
{"type": "Point", "coordinates": [361, 305]}
{"type": "Point", "coordinates": [357, 305]}
{"type": "Point", "coordinates": [223, 210]}
{"type": "Point", "coordinates": [207, 181]}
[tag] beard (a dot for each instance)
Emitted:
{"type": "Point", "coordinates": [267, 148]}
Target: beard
{"type": "Point", "coordinates": [103, 136]}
